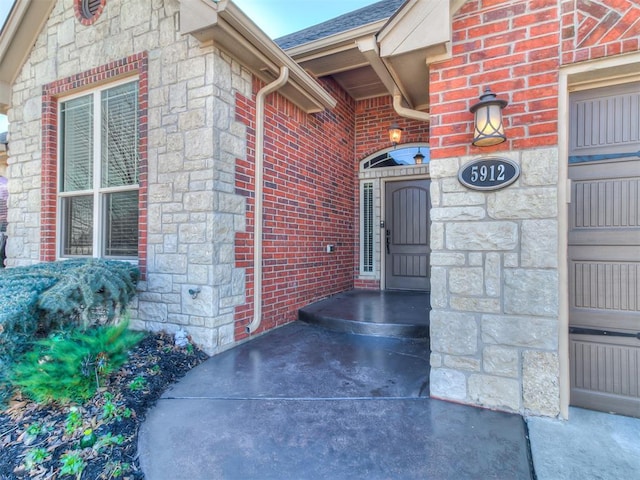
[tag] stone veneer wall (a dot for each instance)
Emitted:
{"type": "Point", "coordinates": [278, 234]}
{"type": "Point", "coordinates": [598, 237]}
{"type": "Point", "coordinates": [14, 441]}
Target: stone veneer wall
{"type": "Point", "coordinates": [496, 317]}
{"type": "Point", "coordinates": [495, 280]}
{"type": "Point", "coordinates": [193, 142]}
{"type": "Point", "coordinates": [494, 327]}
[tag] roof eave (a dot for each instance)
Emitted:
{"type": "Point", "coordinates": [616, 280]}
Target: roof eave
{"type": "Point", "coordinates": [416, 36]}
{"type": "Point", "coordinates": [398, 49]}
{"type": "Point", "coordinates": [225, 25]}
{"type": "Point", "coordinates": [331, 43]}
{"type": "Point", "coordinates": [18, 35]}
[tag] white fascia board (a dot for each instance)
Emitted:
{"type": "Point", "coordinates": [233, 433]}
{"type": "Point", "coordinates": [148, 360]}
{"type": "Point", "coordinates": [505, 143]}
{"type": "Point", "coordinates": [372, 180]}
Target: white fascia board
{"type": "Point", "coordinates": [339, 41]}
{"type": "Point", "coordinates": [418, 25]}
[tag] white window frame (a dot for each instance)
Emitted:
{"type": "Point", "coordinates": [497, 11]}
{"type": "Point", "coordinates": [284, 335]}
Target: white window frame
{"type": "Point", "coordinates": [367, 270]}
{"type": "Point", "coordinates": [99, 193]}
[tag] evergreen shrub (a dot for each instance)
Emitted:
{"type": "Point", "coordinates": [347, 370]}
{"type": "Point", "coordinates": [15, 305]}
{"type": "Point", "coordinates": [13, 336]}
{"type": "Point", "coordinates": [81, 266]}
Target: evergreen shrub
{"type": "Point", "coordinates": [36, 299]}
{"type": "Point", "coordinates": [69, 366]}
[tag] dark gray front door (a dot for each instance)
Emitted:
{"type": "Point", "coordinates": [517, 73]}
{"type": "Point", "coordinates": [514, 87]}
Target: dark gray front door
{"type": "Point", "coordinates": [406, 239]}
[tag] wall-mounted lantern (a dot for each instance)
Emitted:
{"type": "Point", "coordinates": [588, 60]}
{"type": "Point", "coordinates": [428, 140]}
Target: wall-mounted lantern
{"type": "Point", "coordinates": [488, 128]}
{"type": "Point", "coordinates": [418, 157]}
{"type": "Point", "coordinates": [395, 133]}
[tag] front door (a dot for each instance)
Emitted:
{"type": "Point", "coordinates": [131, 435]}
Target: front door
{"type": "Point", "coordinates": [604, 249]}
{"type": "Point", "coordinates": [406, 239]}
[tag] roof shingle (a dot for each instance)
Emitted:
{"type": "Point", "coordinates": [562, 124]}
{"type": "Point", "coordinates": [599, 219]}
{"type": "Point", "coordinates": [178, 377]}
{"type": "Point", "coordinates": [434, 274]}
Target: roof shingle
{"type": "Point", "coordinates": [348, 21]}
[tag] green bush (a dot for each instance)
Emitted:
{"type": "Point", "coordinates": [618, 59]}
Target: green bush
{"type": "Point", "coordinates": [38, 298]}
{"type": "Point", "coordinates": [89, 291]}
{"type": "Point", "coordinates": [69, 367]}
{"type": "Point", "coordinates": [19, 294]}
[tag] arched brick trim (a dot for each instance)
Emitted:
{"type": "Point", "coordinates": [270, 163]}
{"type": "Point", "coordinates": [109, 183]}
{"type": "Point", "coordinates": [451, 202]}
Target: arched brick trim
{"type": "Point", "coordinates": [133, 65]}
{"type": "Point", "coordinates": [82, 18]}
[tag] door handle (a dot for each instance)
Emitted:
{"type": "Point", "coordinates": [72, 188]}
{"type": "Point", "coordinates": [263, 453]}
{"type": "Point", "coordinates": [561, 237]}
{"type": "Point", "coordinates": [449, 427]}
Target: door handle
{"type": "Point", "coordinates": [388, 242]}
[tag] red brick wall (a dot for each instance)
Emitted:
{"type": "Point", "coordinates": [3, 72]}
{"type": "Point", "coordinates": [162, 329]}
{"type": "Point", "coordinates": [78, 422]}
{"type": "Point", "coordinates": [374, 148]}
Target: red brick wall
{"type": "Point", "coordinates": [599, 28]}
{"type": "Point", "coordinates": [511, 46]}
{"type": "Point", "coordinates": [133, 65]}
{"type": "Point", "coordinates": [308, 203]}
{"type": "Point", "coordinates": [516, 48]}
{"type": "Point", "coordinates": [374, 116]}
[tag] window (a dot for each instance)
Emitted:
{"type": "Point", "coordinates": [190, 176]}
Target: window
{"type": "Point", "coordinates": [99, 165]}
{"type": "Point", "coordinates": [367, 227]}
{"type": "Point", "coordinates": [399, 157]}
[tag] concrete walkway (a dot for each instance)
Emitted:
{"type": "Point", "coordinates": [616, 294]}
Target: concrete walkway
{"type": "Point", "coordinates": [589, 446]}
{"type": "Point", "coordinates": [303, 403]}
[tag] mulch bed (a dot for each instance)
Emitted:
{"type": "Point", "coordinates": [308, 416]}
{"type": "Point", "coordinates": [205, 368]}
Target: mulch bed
{"type": "Point", "coordinates": [109, 421]}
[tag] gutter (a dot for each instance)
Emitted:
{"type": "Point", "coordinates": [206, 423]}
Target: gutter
{"type": "Point", "coordinates": [258, 209]}
{"type": "Point", "coordinates": [407, 112]}
{"type": "Point", "coordinates": [370, 49]}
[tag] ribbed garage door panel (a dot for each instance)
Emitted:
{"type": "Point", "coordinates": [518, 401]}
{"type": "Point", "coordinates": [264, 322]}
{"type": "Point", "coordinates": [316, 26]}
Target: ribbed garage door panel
{"type": "Point", "coordinates": [604, 248]}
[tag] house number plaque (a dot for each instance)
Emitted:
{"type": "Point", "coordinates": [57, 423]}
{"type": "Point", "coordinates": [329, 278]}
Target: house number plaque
{"type": "Point", "coordinates": [490, 173]}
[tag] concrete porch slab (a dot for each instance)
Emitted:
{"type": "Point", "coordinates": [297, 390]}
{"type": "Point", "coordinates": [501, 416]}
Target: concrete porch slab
{"type": "Point", "coordinates": [301, 402]}
{"type": "Point", "coordinates": [383, 313]}
{"type": "Point", "coordinates": [302, 361]}
{"type": "Point", "coordinates": [330, 439]}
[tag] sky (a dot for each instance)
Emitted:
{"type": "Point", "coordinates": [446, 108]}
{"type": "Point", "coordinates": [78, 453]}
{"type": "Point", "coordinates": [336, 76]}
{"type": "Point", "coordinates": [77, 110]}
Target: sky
{"type": "Point", "coordinates": [275, 17]}
{"type": "Point", "coordinates": [280, 17]}
{"type": "Point", "coordinates": [5, 6]}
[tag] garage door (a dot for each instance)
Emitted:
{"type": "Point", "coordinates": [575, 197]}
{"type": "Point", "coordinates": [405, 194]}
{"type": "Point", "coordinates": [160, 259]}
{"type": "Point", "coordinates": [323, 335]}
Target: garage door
{"type": "Point", "coordinates": [604, 249]}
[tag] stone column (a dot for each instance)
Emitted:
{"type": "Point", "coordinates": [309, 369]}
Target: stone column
{"type": "Point", "coordinates": [494, 318]}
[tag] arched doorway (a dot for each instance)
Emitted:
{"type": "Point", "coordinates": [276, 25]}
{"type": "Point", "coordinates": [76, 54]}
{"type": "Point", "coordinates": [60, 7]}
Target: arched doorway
{"type": "Point", "coordinates": [394, 218]}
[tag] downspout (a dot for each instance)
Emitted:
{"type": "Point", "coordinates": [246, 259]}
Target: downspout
{"type": "Point", "coordinates": [407, 112]}
{"type": "Point", "coordinates": [258, 213]}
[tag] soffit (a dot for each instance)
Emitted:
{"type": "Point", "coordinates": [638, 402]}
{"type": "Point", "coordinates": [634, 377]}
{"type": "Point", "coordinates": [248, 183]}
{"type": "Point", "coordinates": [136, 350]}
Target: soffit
{"type": "Point", "coordinates": [343, 57]}
{"type": "Point", "coordinates": [395, 52]}
{"type": "Point", "coordinates": [227, 27]}
{"type": "Point", "coordinates": [16, 41]}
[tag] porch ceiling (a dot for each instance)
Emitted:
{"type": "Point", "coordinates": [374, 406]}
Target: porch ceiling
{"type": "Point", "coordinates": [340, 57]}
{"type": "Point", "coordinates": [373, 59]}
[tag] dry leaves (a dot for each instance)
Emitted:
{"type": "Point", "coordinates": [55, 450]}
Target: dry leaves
{"type": "Point", "coordinates": [34, 439]}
